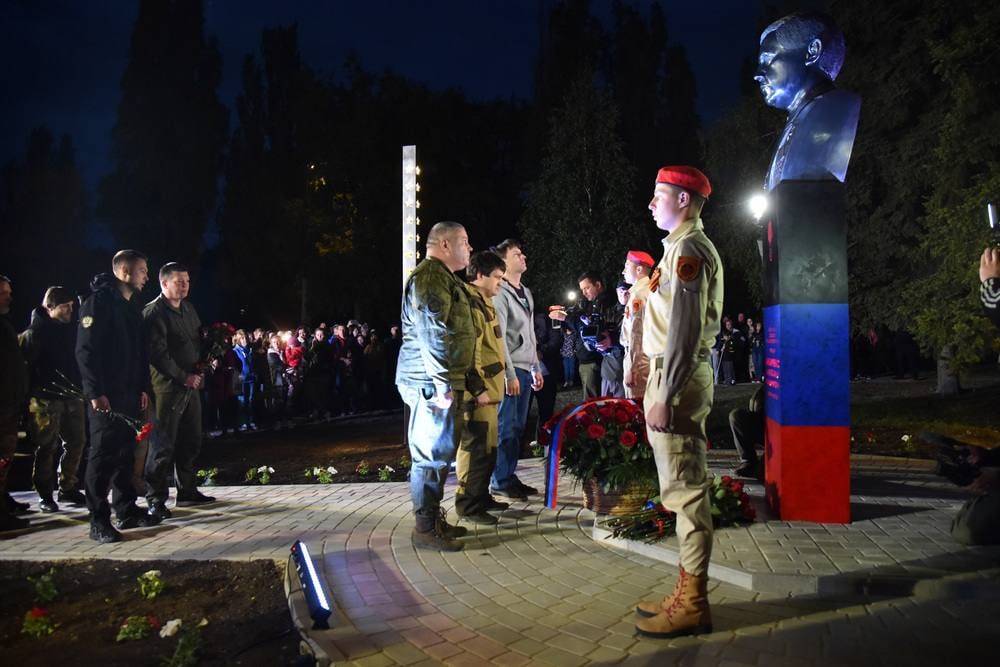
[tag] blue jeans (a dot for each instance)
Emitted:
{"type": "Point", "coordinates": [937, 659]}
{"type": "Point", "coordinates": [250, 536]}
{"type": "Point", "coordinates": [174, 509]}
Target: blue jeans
{"type": "Point", "coordinates": [433, 435]}
{"type": "Point", "coordinates": [512, 417]}
{"type": "Point", "coordinates": [569, 370]}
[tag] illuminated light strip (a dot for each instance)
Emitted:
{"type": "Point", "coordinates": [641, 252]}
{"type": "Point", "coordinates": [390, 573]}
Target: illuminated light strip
{"type": "Point", "coordinates": [320, 595]}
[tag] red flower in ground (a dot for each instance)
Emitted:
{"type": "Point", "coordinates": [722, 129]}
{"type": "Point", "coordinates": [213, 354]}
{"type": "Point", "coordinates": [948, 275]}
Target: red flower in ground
{"type": "Point", "coordinates": [621, 416]}
{"type": "Point", "coordinates": [628, 439]}
{"type": "Point", "coordinates": [38, 612]}
{"type": "Point", "coordinates": [144, 432]}
{"type": "Point", "coordinates": [596, 431]}
{"type": "Point", "coordinates": [153, 621]}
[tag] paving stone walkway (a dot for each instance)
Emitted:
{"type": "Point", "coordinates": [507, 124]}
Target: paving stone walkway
{"type": "Point", "coordinates": [538, 589]}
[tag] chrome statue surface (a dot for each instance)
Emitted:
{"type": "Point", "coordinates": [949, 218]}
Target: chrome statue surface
{"type": "Point", "coordinates": [800, 56]}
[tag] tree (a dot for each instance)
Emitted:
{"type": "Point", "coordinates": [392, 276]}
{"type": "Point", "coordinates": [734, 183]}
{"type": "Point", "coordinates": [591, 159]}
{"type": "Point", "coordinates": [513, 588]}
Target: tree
{"type": "Point", "coordinates": [579, 214]}
{"type": "Point", "coordinates": [168, 140]}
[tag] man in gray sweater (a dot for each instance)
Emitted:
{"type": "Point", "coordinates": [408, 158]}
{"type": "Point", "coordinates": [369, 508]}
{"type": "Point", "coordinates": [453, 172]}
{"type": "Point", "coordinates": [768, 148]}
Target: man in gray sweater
{"type": "Point", "coordinates": [515, 311]}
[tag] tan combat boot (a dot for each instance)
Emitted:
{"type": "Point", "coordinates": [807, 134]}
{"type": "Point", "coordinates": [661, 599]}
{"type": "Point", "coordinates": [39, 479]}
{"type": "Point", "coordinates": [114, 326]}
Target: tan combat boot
{"type": "Point", "coordinates": [650, 608]}
{"type": "Point", "coordinates": [689, 613]}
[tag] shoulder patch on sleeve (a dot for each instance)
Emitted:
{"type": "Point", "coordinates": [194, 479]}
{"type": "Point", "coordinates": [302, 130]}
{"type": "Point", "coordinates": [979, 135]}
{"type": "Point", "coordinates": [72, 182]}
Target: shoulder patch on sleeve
{"type": "Point", "coordinates": [688, 267]}
{"type": "Point", "coordinates": [86, 321]}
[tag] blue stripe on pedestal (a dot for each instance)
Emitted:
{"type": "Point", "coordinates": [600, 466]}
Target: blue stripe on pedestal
{"type": "Point", "coordinates": [807, 359]}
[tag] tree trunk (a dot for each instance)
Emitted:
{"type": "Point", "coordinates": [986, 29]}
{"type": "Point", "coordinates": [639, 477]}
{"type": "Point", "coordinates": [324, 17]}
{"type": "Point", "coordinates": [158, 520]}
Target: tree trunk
{"type": "Point", "coordinates": [947, 380]}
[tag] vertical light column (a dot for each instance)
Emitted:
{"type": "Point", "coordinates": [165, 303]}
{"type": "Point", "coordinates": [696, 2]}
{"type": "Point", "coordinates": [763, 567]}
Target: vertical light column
{"type": "Point", "coordinates": [411, 223]}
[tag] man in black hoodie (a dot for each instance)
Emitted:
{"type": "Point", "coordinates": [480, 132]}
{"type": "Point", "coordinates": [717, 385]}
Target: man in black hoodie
{"type": "Point", "coordinates": [49, 348]}
{"type": "Point", "coordinates": [114, 366]}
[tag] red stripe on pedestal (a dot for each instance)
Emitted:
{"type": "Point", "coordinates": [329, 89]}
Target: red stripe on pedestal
{"type": "Point", "coordinates": [809, 472]}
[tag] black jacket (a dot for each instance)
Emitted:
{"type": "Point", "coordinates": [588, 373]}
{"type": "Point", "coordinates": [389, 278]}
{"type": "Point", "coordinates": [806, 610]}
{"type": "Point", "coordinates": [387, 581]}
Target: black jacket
{"type": "Point", "coordinates": [174, 339]}
{"type": "Point", "coordinates": [611, 312]}
{"type": "Point", "coordinates": [49, 348]}
{"type": "Point", "coordinates": [110, 344]}
{"type": "Point", "coordinates": [13, 372]}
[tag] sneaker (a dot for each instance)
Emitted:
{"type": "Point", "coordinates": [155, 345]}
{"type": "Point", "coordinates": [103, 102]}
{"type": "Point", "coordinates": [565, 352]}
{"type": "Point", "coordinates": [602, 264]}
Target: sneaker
{"type": "Point", "coordinates": [494, 505]}
{"type": "Point", "coordinates": [47, 505]}
{"type": "Point", "coordinates": [481, 518]}
{"type": "Point", "coordinates": [191, 499]}
{"type": "Point", "coordinates": [512, 493]}
{"type": "Point", "coordinates": [104, 533]}
{"type": "Point", "coordinates": [159, 511]}
{"type": "Point", "coordinates": [135, 518]}
{"type": "Point", "coordinates": [73, 497]}
{"type": "Point", "coordinates": [525, 489]}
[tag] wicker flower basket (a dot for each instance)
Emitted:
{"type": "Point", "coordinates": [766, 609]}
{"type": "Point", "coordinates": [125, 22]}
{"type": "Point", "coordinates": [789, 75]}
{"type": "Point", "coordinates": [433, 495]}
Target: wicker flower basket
{"type": "Point", "coordinates": [616, 502]}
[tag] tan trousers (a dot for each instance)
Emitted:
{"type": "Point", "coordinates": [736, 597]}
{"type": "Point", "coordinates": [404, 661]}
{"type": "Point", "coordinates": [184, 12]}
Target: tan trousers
{"type": "Point", "coordinates": [681, 463]}
{"type": "Point", "coordinates": [475, 460]}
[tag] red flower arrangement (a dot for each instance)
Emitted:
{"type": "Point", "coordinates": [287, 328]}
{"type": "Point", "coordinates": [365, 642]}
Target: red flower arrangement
{"type": "Point", "coordinates": [606, 442]}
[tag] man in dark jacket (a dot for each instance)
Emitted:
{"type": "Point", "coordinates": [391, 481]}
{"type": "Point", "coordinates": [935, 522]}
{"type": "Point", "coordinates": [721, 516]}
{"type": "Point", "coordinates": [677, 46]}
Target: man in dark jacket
{"type": "Point", "coordinates": [114, 368]}
{"type": "Point", "coordinates": [13, 390]}
{"type": "Point", "coordinates": [172, 329]}
{"type": "Point", "coordinates": [49, 348]}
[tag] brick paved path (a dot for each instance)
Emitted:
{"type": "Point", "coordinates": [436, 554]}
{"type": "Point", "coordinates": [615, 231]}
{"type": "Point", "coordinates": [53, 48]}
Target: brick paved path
{"type": "Point", "coordinates": [537, 589]}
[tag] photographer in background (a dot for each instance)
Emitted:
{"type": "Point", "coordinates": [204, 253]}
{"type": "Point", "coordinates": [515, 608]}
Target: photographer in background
{"type": "Point", "coordinates": [978, 520]}
{"type": "Point", "coordinates": [597, 321]}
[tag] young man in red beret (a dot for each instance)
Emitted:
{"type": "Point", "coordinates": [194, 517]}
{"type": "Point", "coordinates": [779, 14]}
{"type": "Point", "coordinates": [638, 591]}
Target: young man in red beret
{"type": "Point", "coordinates": [680, 322]}
{"type": "Point", "coordinates": [638, 267]}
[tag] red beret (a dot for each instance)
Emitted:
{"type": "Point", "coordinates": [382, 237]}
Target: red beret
{"type": "Point", "coordinates": [685, 177]}
{"type": "Point", "coordinates": [640, 257]}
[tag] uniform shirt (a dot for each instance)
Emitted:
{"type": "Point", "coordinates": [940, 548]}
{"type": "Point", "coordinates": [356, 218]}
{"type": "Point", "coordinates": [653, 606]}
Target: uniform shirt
{"type": "Point", "coordinates": [487, 373]}
{"type": "Point", "coordinates": [683, 309]}
{"type": "Point", "coordinates": [631, 337]}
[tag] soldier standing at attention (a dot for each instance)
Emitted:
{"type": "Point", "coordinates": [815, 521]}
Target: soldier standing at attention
{"type": "Point", "coordinates": [680, 323]}
{"type": "Point", "coordinates": [638, 266]}
{"type": "Point", "coordinates": [439, 341]}
{"type": "Point", "coordinates": [477, 452]}
{"type": "Point", "coordinates": [114, 367]}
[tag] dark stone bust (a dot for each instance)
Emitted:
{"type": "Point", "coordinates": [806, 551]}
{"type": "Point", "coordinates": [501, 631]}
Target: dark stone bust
{"type": "Point", "coordinates": [800, 57]}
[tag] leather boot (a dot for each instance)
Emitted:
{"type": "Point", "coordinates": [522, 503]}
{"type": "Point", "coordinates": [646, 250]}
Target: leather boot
{"type": "Point", "coordinates": [429, 533]}
{"type": "Point", "coordinates": [650, 608]}
{"type": "Point", "coordinates": [688, 614]}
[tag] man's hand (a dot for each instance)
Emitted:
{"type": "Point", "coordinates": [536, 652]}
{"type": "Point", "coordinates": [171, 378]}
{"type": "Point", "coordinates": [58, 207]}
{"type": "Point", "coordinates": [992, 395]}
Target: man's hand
{"type": "Point", "coordinates": [558, 314]}
{"type": "Point", "coordinates": [143, 400]}
{"type": "Point", "coordinates": [658, 417]}
{"type": "Point", "coordinates": [100, 404]}
{"type": "Point", "coordinates": [604, 342]}
{"type": "Point", "coordinates": [483, 399]}
{"type": "Point", "coordinates": [628, 379]}
{"type": "Point", "coordinates": [988, 481]}
{"type": "Point", "coordinates": [193, 381]}
{"type": "Point", "coordinates": [514, 387]}
{"type": "Point", "coordinates": [442, 401]}
{"type": "Point", "coordinates": [989, 264]}
{"type": "Point", "coordinates": [537, 381]}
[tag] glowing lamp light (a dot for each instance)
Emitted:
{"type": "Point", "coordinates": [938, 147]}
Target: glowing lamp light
{"type": "Point", "coordinates": [758, 206]}
{"type": "Point", "coordinates": [571, 295]}
{"type": "Point", "coordinates": [319, 606]}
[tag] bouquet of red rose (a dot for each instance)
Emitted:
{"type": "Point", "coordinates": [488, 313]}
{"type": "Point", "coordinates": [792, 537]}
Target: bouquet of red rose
{"type": "Point", "coordinates": [604, 440]}
{"type": "Point", "coordinates": [66, 389]}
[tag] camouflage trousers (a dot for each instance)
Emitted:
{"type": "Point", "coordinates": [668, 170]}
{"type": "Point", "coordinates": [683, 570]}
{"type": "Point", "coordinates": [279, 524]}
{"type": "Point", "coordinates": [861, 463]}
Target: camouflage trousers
{"type": "Point", "coordinates": [56, 422]}
{"type": "Point", "coordinates": [475, 460]}
{"type": "Point", "coordinates": [682, 467]}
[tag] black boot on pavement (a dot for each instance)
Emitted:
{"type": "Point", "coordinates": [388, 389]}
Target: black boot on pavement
{"type": "Point", "coordinates": [74, 497]}
{"type": "Point", "coordinates": [191, 499]}
{"type": "Point", "coordinates": [101, 531]}
{"type": "Point", "coordinates": [159, 511]}
{"type": "Point", "coordinates": [46, 504]}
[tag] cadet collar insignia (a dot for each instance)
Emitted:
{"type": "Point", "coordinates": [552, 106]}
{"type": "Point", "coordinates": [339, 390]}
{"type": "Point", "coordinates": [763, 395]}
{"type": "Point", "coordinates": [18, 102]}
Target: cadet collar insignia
{"type": "Point", "coordinates": [688, 268]}
{"type": "Point", "coordinates": [654, 280]}
{"type": "Point", "coordinates": [86, 322]}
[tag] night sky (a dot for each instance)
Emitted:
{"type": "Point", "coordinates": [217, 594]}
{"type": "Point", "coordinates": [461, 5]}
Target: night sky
{"type": "Point", "coordinates": [63, 59]}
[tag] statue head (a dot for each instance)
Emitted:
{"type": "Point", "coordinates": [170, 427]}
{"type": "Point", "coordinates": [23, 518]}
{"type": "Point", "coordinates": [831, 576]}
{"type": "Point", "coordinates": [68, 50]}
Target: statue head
{"type": "Point", "coordinates": [797, 53]}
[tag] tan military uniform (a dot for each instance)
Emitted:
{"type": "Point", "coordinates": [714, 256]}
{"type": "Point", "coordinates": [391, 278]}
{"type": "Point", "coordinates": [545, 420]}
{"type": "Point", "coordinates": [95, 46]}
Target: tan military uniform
{"type": "Point", "coordinates": [681, 320]}
{"type": "Point", "coordinates": [477, 450]}
{"type": "Point", "coordinates": [635, 359]}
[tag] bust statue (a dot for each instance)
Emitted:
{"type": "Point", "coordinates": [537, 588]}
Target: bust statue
{"type": "Point", "coordinates": [800, 57]}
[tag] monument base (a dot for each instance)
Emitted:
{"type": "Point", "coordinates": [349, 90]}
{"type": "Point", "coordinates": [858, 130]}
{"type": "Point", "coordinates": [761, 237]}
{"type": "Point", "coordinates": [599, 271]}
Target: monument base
{"type": "Point", "coordinates": [809, 472]}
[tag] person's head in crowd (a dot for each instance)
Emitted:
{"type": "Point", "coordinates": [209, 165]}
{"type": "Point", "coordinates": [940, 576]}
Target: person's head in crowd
{"type": "Point", "coordinates": [621, 291]}
{"type": "Point", "coordinates": [512, 253]}
{"type": "Point", "coordinates": [319, 335]}
{"type": "Point", "coordinates": [637, 265]}
{"type": "Point", "coordinates": [740, 318]}
{"type": "Point", "coordinates": [590, 285]}
{"type": "Point", "coordinates": [728, 325]}
{"type": "Point", "coordinates": [275, 342]}
{"type": "Point", "coordinates": [240, 338]}
{"type": "Point", "coordinates": [130, 267]}
{"type": "Point", "coordinates": [339, 331]}
{"type": "Point", "coordinates": [58, 302]}
{"type": "Point", "coordinates": [448, 242]}
{"type": "Point", "coordinates": [360, 338]}
{"type": "Point", "coordinates": [486, 271]}
{"type": "Point", "coordinates": [258, 335]}
{"type": "Point", "coordinates": [757, 326]}
{"type": "Point", "coordinates": [679, 194]}
{"type": "Point", "coordinates": [394, 331]}
{"type": "Point", "coordinates": [174, 282]}
{"type": "Point", "coordinates": [750, 324]}
{"type": "Point", "coordinates": [6, 294]}
{"type": "Point", "coordinates": [301, 334]}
